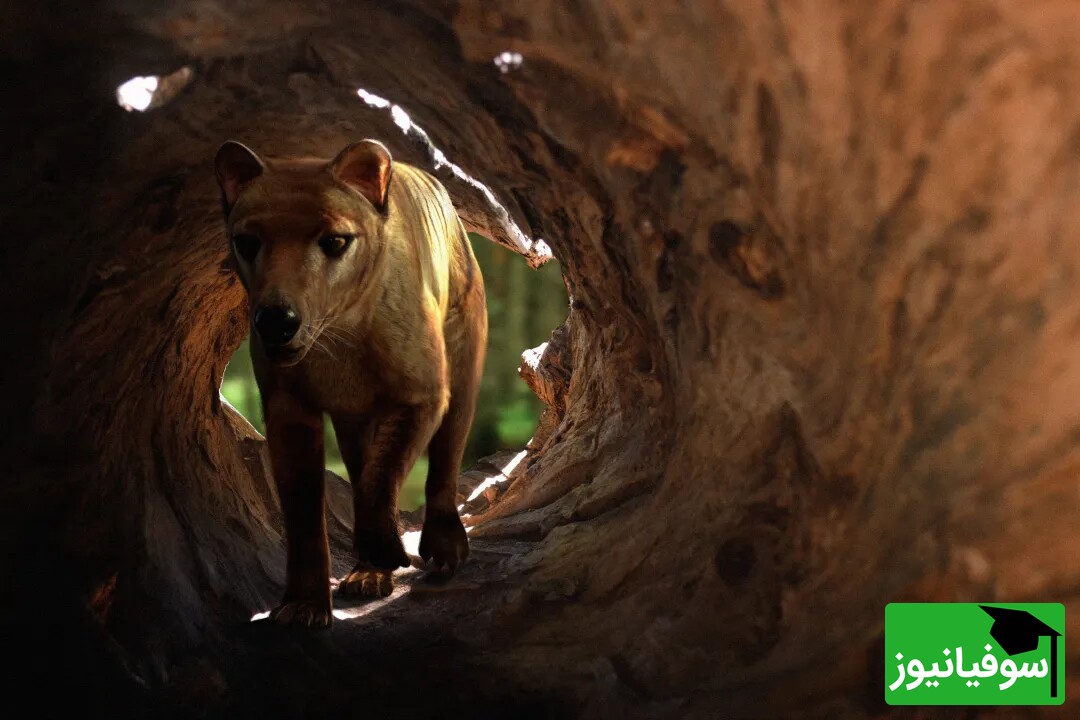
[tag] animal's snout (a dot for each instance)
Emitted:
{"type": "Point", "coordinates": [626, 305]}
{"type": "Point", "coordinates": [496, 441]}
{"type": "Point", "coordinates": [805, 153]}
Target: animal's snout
{"type": "Point", "coordinates": [276, 324]}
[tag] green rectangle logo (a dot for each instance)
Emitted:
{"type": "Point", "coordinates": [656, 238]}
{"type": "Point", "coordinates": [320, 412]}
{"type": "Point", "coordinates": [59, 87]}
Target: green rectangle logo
{"type": "Point", "coordinates": [974, 654]}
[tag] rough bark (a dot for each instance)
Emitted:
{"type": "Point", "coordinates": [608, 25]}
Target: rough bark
{"type": "Point", "coordinates": [822, 346]}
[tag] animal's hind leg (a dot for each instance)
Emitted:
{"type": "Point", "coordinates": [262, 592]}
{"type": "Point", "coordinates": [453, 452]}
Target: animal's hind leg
{"type": "Point", "coordinates": [354, 437]}
{"type": "Point", "coordinates": [443, 540]}
{"type": "Point", "coordinates": [377, 466]}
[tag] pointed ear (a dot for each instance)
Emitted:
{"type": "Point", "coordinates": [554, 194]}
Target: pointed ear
{"type": "Point", "coordinates": [366, 166]}
{"type": "Point", "coordinates": [236, 166]}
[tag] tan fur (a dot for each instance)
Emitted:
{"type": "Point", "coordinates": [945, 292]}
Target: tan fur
{"type": "Point", "coordinates": [391, 346]}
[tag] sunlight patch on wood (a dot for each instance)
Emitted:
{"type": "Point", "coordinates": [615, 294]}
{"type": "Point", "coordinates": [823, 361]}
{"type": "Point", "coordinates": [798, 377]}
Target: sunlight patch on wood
{"type": "Point", "coordinates": [144, 92]}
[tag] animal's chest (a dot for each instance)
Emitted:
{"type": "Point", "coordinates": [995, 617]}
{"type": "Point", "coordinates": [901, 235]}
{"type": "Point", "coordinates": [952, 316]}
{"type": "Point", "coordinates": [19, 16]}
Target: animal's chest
{"type": "Point", "coordinates": [351, 380]}
{"type": "Point", "coordinates": [344, 383]}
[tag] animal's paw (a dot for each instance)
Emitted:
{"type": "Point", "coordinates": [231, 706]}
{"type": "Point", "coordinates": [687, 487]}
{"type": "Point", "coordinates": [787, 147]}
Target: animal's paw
{"type": "Point", "coordinates": [303, 613]}
{"type": "Point", "coordinates": [443, 541]}
{"type": "Point", "coordinates": [366, 580]}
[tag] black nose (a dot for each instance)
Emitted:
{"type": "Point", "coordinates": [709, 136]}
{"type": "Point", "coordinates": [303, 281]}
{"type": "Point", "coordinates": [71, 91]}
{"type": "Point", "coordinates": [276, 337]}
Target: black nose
{"type": "Point", "coordinates": [276, 324]}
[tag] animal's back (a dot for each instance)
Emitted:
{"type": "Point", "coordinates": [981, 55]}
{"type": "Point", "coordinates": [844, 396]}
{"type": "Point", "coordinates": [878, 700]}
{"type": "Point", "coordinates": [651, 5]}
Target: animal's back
{"type": "Point", "coordinates": [423, 212]}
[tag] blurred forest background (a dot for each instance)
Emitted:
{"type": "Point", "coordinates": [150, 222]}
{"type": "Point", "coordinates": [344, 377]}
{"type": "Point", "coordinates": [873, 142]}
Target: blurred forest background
{"type": "Point", "coordinates": [524, 306]}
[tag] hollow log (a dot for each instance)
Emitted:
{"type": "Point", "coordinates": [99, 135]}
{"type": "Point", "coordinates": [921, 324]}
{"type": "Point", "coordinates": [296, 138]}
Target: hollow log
{"type": "Point", "coordinates": [820, 354]}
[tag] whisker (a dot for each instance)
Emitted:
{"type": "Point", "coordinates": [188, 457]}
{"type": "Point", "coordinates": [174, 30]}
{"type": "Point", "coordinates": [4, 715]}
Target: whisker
{"type": "Point", "coordinates": [323, 348]}
{"type": "Point", "coordinates": [331, 335]}
{"type": "Point", "coordinates": [322, 333]}
{"type": "Point", "coordinates": [343, 331]}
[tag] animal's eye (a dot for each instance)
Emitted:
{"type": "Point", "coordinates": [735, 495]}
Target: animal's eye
{"type": "Point", "coordinates": [335, 245]}
{"type": "Point", "coordinates": [247, 246]}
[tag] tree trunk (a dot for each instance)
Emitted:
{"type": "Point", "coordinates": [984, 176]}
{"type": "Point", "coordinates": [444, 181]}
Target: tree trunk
{"type": "Point", "coordinates": [821, 352]}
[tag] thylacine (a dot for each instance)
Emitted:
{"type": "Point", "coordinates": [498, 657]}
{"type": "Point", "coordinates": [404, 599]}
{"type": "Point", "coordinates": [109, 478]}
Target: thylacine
{"type": "Point", "coordinates": [367, 305]}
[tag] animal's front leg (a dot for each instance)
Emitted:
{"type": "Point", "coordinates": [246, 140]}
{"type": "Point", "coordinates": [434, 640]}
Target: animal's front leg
{"type": "Point", "coordinates": [399, 437]}
{"type": "Point", "coordinates": [295, 437]}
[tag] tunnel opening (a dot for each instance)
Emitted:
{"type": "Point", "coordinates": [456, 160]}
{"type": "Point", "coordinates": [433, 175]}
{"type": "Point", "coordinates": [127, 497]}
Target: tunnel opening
{"type": "Point", "coordinates": [525, 302]}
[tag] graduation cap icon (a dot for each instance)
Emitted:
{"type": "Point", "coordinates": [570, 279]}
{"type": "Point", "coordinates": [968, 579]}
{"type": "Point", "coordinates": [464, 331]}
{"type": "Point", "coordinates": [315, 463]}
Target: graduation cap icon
{"type": "Point", "coordinates": [1018, 631]}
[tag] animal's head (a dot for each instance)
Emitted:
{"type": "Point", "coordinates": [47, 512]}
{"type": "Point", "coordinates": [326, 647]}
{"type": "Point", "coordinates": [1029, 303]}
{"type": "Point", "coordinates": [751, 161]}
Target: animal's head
{"type": "Point", "coordinates": [304, 233]}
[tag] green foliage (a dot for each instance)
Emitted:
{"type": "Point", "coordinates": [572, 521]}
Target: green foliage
{"type": "Point", "coordinates": [517, 421]}
{"type": "Point", "coordinates": [523, 308]}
